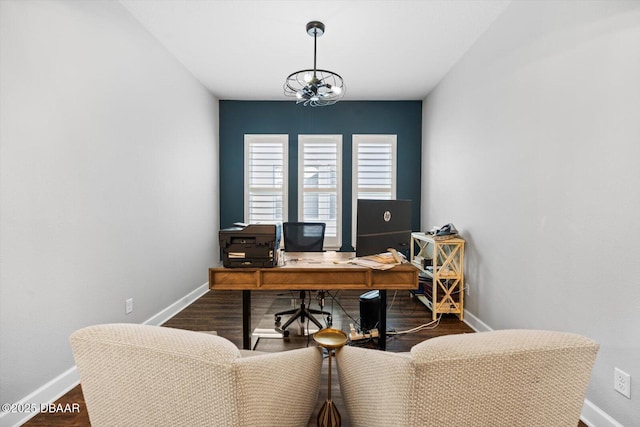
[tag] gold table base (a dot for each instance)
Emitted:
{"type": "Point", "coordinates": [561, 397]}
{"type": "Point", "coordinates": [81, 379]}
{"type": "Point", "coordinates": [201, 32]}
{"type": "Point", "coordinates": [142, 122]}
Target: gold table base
{"type": "Point", "coordinates": [329, 415]}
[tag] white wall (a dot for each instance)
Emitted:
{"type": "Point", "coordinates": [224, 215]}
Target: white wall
{"type": "Point", "coordinates": [108, 176]}
{"type": "Point", "coordinates": [531, 148]}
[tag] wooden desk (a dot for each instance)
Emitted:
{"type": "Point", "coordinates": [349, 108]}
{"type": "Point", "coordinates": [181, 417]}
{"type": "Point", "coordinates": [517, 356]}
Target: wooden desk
{"type": "Point", "coordinates": [313, 271]}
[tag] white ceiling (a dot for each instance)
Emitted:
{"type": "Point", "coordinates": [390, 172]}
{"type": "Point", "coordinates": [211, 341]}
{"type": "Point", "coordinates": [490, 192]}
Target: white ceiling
{"type": "Point", "coordinates": [384, 50]}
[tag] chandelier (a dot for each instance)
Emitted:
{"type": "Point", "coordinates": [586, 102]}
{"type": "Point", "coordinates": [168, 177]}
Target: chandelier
{"type": "Point", "coordinates": [315, 87]}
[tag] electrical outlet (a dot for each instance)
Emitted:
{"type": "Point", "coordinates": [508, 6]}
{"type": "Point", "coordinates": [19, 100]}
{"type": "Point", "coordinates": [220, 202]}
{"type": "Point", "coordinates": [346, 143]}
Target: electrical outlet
{"type": "Point", "coordinates": [622, 383]}
{"type": "Point", "coordinates": [467, 289]}
{"type": "Point", "coordinates": [128, 306]}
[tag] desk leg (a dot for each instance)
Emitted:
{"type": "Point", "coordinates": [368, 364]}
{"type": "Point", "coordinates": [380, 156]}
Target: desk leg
{"type": "Point", "coordinates": [382, 331]}
{"type": "Point", "coordinates": [246, 320]}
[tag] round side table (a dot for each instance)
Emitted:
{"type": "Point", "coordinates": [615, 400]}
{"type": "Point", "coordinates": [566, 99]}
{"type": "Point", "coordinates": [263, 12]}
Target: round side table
{"type": "Point", "coordinates": [330, 339]}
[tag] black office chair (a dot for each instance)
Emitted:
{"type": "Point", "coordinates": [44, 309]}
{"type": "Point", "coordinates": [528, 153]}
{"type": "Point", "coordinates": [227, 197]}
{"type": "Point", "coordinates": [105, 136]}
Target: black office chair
{"type": "Point", "coordinates": [303, 237]}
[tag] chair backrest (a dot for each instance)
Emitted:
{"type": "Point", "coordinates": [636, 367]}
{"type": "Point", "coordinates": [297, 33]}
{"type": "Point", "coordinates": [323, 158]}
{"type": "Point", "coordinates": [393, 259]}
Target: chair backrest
{"type": "Point", "coordinates": [498, 378]}
{"type": "Point", "coordinates": [505, 377]}
{"type": "Point", "coordinates": [135, 375]}
{"type": "Point", "coordinates": [303, 236]}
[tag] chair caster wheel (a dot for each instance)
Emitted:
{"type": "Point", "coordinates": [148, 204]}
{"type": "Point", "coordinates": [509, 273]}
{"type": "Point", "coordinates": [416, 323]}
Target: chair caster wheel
{"type": "Point", "coordinates": [285, 334]}
{"type": "Point", "coordinates": [277, 319]}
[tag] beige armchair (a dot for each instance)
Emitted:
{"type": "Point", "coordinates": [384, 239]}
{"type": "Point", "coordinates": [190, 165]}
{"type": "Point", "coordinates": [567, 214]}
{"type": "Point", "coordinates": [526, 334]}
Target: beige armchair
{"type": "Point", "coordinates": [502, 378]}
{"type": "Point", "coordinates": [135, 375]}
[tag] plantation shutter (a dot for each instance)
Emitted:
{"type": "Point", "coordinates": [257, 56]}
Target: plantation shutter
{"type": "Point", "coordinates": [319, 183]}
{"type": "Point", "coordinates": [266, 176]}
{"type": "Point", "coordinates": [374, 170]}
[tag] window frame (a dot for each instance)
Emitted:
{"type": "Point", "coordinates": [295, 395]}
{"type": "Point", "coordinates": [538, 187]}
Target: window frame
{"type": "Point", "coordinates": [381, 139]}
{"type": "Point", "coordinates": [330, 242]}
{"type": "Point", "coordinates": [257, 139]}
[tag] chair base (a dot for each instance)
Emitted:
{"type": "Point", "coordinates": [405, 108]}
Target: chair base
{"type": "Point", "coordinates": [301, 312]}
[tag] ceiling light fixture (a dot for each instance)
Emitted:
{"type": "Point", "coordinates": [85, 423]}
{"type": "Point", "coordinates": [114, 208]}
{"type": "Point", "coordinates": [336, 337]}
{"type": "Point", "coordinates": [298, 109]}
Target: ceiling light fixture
{"type": "Point", "coordinates": [315, 87]}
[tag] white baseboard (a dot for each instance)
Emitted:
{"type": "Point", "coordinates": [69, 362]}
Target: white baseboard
{"type": "Point", "coordinates": [177, 307]}
{"type": "Point", "coordinates": [595, 417]}
{"type": "Point", "coordinates": [475, 323]}
{"type": "Point", "coordinates": [59, 386]}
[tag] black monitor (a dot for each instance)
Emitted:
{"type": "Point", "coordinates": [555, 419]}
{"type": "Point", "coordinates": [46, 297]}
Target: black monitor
{"type": "Point", "coordinates": [383, 224]}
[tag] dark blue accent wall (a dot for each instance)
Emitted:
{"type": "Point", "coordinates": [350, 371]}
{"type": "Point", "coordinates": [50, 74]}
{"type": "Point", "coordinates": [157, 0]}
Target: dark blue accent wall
{"type": "Point", "coordinates": [237, 118]}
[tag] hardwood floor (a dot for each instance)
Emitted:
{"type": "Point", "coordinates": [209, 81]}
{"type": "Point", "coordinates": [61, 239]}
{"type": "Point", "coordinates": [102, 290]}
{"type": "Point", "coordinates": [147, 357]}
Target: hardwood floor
{"type": "Point", "coordinates": [220, 311]}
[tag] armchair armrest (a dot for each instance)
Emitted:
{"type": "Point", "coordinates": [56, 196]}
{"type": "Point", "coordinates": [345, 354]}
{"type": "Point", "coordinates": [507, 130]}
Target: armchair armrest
{"type": "Point", "coordinates": [266, 379]}
{"type": "Point", "coordinates": [368, 376]}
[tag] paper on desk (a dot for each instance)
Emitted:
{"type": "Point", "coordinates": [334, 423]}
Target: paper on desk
{"type": "Point", "coordinates": [383, 261]}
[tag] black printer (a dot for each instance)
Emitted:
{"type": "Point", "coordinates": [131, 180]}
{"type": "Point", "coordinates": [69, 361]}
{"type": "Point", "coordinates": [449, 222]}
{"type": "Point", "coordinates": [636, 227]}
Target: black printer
{"type": "Point", "coordinates": [253, 245]}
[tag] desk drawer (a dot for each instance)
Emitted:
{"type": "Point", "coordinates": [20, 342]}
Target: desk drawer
{"type": "Point", "coordinates": [233, 279]}
{"type": "Point", "coordinates": [318, 279]}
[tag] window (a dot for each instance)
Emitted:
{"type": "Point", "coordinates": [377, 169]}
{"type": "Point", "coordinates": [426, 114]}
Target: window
{"type": "Point", "coordinates": [374, 170]}
{"type": "Point", "coordinates": [266, 177]}
{"type": "Point", "coordinates": [320, 184]}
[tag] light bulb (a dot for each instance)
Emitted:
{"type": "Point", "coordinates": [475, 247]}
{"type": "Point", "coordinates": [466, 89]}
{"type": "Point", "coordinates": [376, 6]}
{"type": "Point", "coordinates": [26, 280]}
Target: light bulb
{"type": "Point", "coordinates": [308, 77]}
{"type": "Point", "coordinates": [337, 90]}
